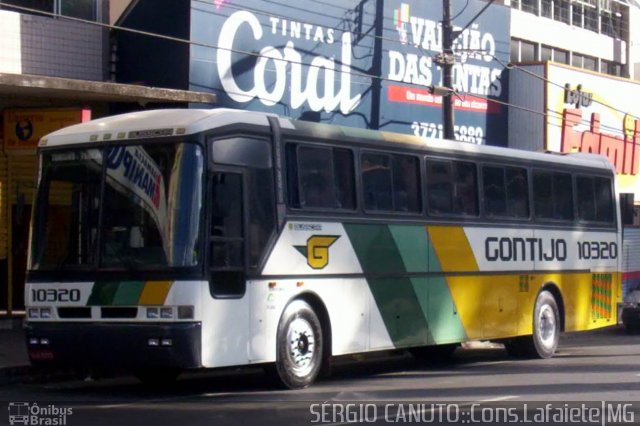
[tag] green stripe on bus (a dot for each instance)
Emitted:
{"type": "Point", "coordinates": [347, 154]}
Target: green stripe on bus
{"type": "Point", "coordinates": [103, 293]}
{"type": "Point", "coordinates": [375, 248]}
{"type": "Point", "coordinates": [401, 311]}
{"type": "Point", "coordinates": [433, 293]}
{"type": "Point", "coordinates": [396, 298]}
{"type": "Point", "coordinates": [128, 293]}
{"type": "Point", "coordinates": [413, 246]}
{"type": "Point", "coordinates": [442, 315]}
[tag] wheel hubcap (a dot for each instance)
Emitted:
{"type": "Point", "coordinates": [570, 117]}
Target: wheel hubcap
{"type": "Point", "coordinates": [547, 326]}
{"type": "Point", "coordinates": [302, 344]}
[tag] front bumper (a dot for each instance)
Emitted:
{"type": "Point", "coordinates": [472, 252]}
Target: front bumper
{"type": "Point", "coordinates": [115, 345]}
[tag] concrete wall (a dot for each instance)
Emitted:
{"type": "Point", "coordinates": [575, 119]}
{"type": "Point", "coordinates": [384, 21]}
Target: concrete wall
{"type": "Point", "coordinates": [53, 47]}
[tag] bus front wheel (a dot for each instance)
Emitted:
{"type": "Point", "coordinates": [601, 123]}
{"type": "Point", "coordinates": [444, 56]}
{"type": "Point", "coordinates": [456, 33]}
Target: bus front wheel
{"type": "Point", "coordinates": [299, 346]}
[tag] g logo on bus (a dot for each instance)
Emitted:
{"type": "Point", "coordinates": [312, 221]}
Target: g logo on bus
{"type": "Point", "coordinates": [317, 250]}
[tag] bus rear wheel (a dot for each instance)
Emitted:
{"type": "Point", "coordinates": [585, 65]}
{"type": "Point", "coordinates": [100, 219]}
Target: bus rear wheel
{"type": "Point", "coordinates": [298, 346]}
{"type": "Point", "coordinates": [546, 331]}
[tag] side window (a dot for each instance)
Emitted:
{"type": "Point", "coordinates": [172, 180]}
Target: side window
{"type": "Point", "coordinates": [553, 195]}
{"type": "Point", "coordinates": [452, 187]}
{"type": "Point", "coordinates": [466, 188]}
{"type": "Point", "coordinates": [390, 182]}
{"type": "Point", "coordinates": [495, 195]}
{"type": "Point", "coordinates": [586, 199]}
{"type": "Point", "coordinates": [595, 199]}
{"type": "Point", "coordinates": [506, 192]}
{"type": "Point", "coordinates": [517, 192]}
{"type": "Point", "coordinates": [439, 186]}
{"type": "Point", "coordinates": [377, 181]}
{"type": "Point", "coordinates": [316, 177]}
{"type": "Point", "coordinates": [406, 184]}
{"type": "Point", "coordinates": [324, 176]}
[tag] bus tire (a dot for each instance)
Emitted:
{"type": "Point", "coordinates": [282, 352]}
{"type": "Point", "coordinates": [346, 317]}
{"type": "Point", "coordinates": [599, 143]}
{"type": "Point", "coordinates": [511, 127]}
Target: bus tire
{"type": "Point", "coordinates": [298, 346]}
{"type": "Point", "coordinates": [546, 330]}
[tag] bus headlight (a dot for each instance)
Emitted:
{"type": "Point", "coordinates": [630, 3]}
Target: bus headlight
{"type": "Point", "coordinates": [170, 312]}
{"type": "Point", "coordinates": [185, 312]}
{"type": "Point", "coordinates": [39, 313]}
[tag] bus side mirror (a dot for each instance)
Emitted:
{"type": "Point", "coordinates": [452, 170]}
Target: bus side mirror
{"type": "Point", "coordinates": [626, 208]}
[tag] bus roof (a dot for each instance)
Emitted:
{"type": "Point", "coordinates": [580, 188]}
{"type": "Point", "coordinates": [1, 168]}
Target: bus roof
{"type": "Point", "coordinates": [177, 122]}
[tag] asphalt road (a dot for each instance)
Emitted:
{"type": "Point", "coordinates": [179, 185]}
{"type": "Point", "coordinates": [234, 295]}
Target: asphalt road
{"type": "Point", "coordinates": [588, 369]}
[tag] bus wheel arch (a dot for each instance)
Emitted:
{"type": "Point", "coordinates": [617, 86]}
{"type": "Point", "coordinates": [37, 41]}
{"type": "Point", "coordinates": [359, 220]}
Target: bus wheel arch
{"type": "Point", "coordinates": [300, 342]}
{"type": "Point", "coordinates": [547, 324]}
{"type": "Point", "coordinates": [552, 288]}
{"type": "Point", "coordinates": [325, 321]}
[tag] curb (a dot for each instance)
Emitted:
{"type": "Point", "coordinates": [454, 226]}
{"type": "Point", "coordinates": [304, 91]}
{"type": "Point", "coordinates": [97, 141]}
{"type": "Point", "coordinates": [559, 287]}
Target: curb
{"type": "Point", "coordinates": [27, 374]}
{"type": "Point", "coordinates": [11, 323]}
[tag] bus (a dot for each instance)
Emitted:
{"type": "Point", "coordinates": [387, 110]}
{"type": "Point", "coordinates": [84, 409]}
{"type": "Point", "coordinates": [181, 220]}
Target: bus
{"type": "Point", "coordinates": [171, 240]}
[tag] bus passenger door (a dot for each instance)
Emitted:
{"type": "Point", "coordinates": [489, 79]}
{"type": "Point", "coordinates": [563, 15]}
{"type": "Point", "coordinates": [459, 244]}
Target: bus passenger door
{"type": "Point", "coordinates": [225, 322]}
{"type": "Point", "coordinates": [227, 258]}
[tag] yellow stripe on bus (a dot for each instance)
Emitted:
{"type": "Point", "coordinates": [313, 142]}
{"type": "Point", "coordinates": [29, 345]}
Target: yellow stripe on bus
{"type": "Point", "coordinates": [453, 249]}
{"type": "Point", "coordinates": [155, 292]}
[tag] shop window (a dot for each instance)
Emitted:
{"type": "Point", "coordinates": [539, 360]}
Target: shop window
{"type": "Point", "coordinates": [560, 56]}
{"type": "Point", "coordinates": [546, 8]}
{"type": "Point", "coordinates": [590, 63]}
{"type": "Point", "coordinates": [527, 52]}
{"type": "Point", "coordinates": [562, 11]}
{"type": "Point", "coordinates": [591, 18]}
{"type": "Point", "coordinates": [530, 6]}
{"type": "Point", "coordinates": [82, 9]}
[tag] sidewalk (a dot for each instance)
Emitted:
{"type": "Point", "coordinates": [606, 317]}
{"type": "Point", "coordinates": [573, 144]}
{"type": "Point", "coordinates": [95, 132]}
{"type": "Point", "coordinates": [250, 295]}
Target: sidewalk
{"type": "Point", "coordinates": [14, 361]}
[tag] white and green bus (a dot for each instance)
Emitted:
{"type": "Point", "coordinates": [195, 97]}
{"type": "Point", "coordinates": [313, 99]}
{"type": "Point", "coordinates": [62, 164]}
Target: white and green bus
{"type": "Point", "coordinates": [174, 240]}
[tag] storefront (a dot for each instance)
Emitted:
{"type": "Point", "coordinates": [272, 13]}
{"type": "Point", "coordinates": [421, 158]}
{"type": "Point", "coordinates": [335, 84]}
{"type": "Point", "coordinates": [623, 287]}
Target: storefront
{"type": "Point", "coordinates": [30, 107]}
{"type": "Point", "coordinates": [559, 108]}
{"type": "Point", "coordinates": [22, 128]}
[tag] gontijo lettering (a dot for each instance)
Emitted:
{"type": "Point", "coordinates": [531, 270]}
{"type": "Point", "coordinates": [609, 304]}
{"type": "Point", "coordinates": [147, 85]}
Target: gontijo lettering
{"type": "Point", "coordinates": [521, 249]}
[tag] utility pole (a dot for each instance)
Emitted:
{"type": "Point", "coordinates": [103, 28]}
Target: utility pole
{"type": "Point", "coordinates": [446, 61]}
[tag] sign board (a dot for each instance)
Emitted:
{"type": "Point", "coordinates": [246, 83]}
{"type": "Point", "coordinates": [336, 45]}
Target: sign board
{"type": "Point", "coordinates": [594, 113]}
{"type": "Point", "coordinates": [364, 64]}
{"type": "Point", "coordinates": [23, 128]}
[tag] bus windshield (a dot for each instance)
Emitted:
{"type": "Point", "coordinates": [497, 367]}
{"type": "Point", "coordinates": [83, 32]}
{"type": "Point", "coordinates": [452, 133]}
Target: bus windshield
{"type": "Point", "coordinates": [119, 208]}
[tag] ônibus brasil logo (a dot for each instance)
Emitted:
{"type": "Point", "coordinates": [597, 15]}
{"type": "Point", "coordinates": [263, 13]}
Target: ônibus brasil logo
{"type": "Point", "coordinates": [30, 414]}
